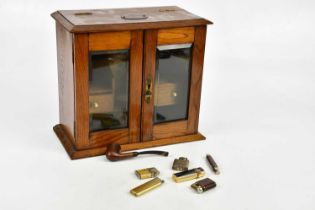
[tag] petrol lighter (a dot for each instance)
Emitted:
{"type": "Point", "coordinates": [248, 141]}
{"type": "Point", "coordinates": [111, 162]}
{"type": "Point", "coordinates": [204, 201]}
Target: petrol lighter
{"type": "Point", "coordinates": [213, 164]}
{"type": "Point", "coordinates": [146, 187]}
{"type": "Point", "coordinates": [147, 173]}
{"type": "Point", "coordinates": [204, 185]}
{"type": "Point", "coordinates": [180, 164]}
{"type": "Point", "coordinates": [188, 175]}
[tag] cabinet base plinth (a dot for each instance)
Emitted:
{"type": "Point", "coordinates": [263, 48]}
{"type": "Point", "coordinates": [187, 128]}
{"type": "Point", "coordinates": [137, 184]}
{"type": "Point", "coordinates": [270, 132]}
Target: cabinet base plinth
{"type": "Point", "coordinates": [75, 153]}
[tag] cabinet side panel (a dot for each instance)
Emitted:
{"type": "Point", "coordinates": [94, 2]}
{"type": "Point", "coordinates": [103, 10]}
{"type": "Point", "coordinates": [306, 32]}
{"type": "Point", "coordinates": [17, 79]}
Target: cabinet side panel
{"type": "Point", "coordinates": [196, 78]}
{"type": "Point", "coordinates": [65, 78]}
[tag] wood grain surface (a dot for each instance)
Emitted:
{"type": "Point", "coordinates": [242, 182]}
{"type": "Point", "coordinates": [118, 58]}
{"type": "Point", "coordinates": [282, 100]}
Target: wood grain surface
{"type": "Point", "coordinates": [75, 153]}
{"type": "Point", "coordinates": [150, 40]}
{"type": "Point", "coordinates": [98, 20]}
{"type": "Point", "coordinates": [196, 78]}
{"type": "Point", "coordinates": [109, 41]}
{"type": "Point", "coordinates": [176, 35]}
{"type": "Point", "coordinates": [65, 78]}
{"type": "Point", "coordinates": [135, 79]}
{"type": "Point", "coordinates": [81, 62]}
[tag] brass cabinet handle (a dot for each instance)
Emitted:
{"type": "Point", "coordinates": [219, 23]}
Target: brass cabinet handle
{"type": "Point", "coordinates": [148, 91]}
{"type": "Point", "coordinates": [134, 17]}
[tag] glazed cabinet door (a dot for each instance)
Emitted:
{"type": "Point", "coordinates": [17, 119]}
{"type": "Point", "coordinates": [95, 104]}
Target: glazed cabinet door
{"type": "Point", "coordinates": [108, 69]}
{"type": "Point", "coordinates": [172, 82]}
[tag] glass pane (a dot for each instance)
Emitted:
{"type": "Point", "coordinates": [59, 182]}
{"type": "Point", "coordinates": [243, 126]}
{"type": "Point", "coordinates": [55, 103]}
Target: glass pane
{"type": "Point", "coordinates": [108, 89]}
{"type": "Point", "coordinates": [172, 82]}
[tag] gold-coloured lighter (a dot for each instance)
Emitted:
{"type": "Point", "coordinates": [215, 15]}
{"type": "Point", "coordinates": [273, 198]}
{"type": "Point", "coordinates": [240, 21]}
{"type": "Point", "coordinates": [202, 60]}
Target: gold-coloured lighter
{"type": "Point", "coordinates": [188, 175]}
{"type": "Point", "coordinates": [147, 173]}
{"type": "Point", "coordinates": [146, 187]}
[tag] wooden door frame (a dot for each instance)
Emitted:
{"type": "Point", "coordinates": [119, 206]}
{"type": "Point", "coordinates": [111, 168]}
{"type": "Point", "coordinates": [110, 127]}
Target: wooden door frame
{"type": "Point", "coordinates": [153, 38]}
{"type": "Point", "coordinates": [83, 44]}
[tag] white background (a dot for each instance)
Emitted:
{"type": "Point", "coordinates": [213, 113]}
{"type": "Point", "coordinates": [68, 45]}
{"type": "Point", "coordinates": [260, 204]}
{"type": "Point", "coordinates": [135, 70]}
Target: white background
{"type": "Point", "coordinates": [257, 112]}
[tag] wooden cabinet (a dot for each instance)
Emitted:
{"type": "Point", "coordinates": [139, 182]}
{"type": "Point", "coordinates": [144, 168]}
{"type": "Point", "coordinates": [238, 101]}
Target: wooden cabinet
{"type": "Point", "coordinates": [131, 76]}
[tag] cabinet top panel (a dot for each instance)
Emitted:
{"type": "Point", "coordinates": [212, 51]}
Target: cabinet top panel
{"type": "Point", "coordinates": [97, 20]}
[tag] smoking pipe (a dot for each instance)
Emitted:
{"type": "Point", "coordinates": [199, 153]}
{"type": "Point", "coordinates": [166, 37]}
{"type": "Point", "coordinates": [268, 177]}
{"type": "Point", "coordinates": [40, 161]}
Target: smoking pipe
{"type": "Point", "coordinates": [113, 153]}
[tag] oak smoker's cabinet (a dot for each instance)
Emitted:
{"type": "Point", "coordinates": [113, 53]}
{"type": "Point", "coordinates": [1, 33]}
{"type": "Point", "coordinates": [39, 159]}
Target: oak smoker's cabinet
{"type": "Point", "coordinates": [131, 76]}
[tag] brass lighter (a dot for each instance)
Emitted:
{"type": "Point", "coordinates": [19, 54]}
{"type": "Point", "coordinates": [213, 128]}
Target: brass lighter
{"type": "Point", "coordinates": [180, 164]}
{"type": "Point", "coordinates": [147, 173]}
{"type": "Point", "coordinates": [204, 185]}
{"type": "Point", "coordinates": [146, 187]}
{"type": "Point", "coordinates": [188, 175]}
